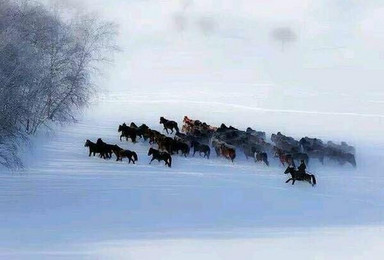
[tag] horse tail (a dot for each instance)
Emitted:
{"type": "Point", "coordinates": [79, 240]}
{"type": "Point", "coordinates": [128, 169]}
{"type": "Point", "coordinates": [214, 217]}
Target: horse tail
{"type": "Point", "coordinates": [313, 179]}
{"type": "Point", "coordinates": [353, 161]}
{"type": "Point", "coordinates": [135, 156]}
{"type": "Point", "coordinates": [170, 161]}
{"type": "Point", "coordinates": [233, 156]}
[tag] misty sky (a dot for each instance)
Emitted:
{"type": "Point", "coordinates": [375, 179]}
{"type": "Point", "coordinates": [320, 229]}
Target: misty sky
{"type": "Point", "coordinates": [338, 54]}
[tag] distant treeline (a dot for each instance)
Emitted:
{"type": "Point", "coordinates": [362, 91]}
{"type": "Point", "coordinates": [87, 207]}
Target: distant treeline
{"type": "Point", "coordinates": [46, 67]}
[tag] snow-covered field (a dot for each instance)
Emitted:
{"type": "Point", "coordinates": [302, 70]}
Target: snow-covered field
{"type": "Point", "coordinates": [67, 205]}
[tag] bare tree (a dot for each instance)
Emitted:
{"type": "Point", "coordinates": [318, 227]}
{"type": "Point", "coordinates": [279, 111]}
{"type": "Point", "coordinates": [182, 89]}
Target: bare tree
{"type": "Point", "coordinates": [46, 69]}
{"type": "Point", "coordinates": [284, 35]}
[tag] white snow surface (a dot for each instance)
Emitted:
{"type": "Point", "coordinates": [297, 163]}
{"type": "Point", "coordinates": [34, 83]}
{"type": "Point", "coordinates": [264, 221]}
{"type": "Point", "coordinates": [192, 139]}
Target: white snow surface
{"type": "Point", "coordinates": [68, 205]}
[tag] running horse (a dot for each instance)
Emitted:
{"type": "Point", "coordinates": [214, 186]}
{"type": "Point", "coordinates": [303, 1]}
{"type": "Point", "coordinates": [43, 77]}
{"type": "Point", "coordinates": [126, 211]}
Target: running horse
{"type": "Point", "coordinates": [297, 176]}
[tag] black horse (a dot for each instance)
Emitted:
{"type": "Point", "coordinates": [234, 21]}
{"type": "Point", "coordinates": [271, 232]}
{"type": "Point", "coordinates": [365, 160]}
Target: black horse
{"type": "Point", "coordinates": [95, 148]}
{"type": "Point", "coordinates": [132, 156]}
{"type": "Point", "coordinates": [107, 148]}
{"type": "Point", "coordinates": [180, 146]}
{"type": "Point", "coordinates": [201, 148]}
{"type": "Point", "coordinates": [127, 132]}
{"type": "Point", "coordinates": [160, 156]}
{"type": "Point", "coordinates": [141, 131]}
{"type": "Point", "coordinates": [296, 176]}
{"type": "Point", "coordinates": [168, 124]}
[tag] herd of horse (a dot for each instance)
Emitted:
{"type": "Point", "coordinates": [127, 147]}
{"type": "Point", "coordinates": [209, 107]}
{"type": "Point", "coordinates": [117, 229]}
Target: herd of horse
{"type": "Point", "coordinates": [201, 137]}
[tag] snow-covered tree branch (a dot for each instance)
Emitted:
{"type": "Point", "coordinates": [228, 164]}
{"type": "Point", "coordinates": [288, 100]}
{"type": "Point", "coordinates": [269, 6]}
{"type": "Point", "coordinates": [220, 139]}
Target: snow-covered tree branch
{"type": "Point", "coordinates": [46, 69]}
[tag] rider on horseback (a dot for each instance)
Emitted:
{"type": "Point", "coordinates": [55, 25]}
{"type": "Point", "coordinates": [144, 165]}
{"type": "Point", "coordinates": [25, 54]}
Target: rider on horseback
{"type": "Point", "coordinates": [302, 167]}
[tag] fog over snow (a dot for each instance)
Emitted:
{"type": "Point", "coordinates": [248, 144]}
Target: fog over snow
{"type": "Point", "coordinates": [331, 71]}
{"type": "Point", "coordinates": [217, 61]}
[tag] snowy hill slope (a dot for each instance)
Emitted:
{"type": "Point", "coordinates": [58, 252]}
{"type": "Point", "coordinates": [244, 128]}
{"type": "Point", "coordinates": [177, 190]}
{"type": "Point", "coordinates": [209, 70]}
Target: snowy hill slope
{"type": "Point", "coordinates": [66, 204]}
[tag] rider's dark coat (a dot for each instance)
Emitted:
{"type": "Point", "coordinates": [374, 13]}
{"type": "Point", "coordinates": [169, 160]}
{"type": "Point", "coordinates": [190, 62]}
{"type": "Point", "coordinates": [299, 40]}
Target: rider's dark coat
{"type": "Point", "coordinates": [302, 167]}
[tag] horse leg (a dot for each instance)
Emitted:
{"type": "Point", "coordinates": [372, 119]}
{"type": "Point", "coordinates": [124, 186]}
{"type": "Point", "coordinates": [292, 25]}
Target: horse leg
{"type": "Point", "coordinates": [313, 180]}
{"type": "Point", "coordinates": [293, 181]}
{"type": "Point", "coordinates": [288, 180]}
{"type": "Point", "coordinates": [169, 163]}
{"type": "Point", "coordinates": [321, 160]}
{"type": "Point", "coordinates": [152, 160]}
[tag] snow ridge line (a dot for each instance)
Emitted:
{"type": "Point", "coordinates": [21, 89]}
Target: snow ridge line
{"type": "Point", "coordinates": [260, 109]}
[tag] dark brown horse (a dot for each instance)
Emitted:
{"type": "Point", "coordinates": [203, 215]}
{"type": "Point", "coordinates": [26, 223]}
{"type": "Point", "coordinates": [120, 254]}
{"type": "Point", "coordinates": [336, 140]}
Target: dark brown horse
{"type": "Point", "coordinates": [283, 157]}
{"type": "Point", "coordinates": [165, 143]}
{"type": "Point", "coordinates": [160, 156]}
{"type": "Point", "coordinates": [168, 124]}
{"type": "Point", "coordinates": [261, 157]}
{"type": "Point", "coordinates": [228, 152]}
{"type": "Point", "coordinates": [127, 132]}
{"type": "Point", "coordinates": [121, 153]}
{"type": "Point", "coordinates": [201, 148]}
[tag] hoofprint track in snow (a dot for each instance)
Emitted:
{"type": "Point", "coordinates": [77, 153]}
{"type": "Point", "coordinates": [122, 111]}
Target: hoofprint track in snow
{"type": "Point", "coordinates": [69, 205]}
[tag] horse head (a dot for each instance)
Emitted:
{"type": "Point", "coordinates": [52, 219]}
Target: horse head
{"type": "Point", "coordinates": [117, 148]}
{"type": "Point", "coordinates": [187, 120]}
{"type": "Point", "coordinates": [87, 142]}
{"type": "Point", "coordinates": [150, 151]}
{"type": "Point", "coordinates": [289, 169]}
